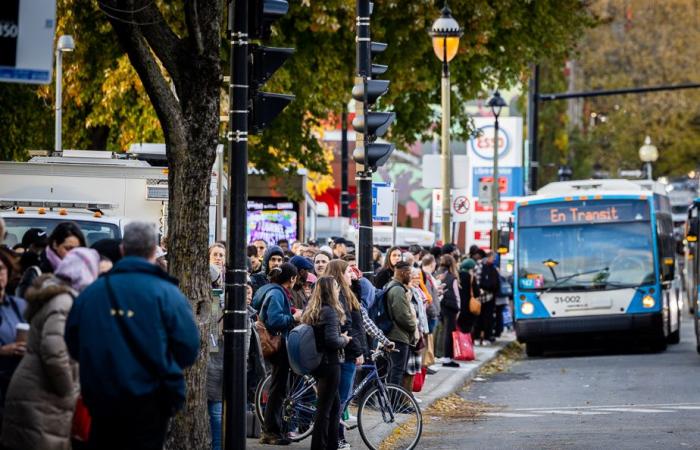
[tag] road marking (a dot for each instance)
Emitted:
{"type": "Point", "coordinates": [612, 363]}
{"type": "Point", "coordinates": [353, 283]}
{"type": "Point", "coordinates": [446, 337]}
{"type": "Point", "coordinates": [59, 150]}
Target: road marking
{"type": "Point", "coordinates": [511, 415]}
{"type": "Point", "coordinates": [637, 410]}
{"type": "Point", "coordinates": [691, 408]}
{"type": "Point", "coordinates": [656, 405]}
{"type": "Point", "coordinates": [573, 412]}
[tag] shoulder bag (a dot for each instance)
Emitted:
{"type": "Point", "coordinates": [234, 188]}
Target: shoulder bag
{"type": "Point", "coordinates": [269, 343]}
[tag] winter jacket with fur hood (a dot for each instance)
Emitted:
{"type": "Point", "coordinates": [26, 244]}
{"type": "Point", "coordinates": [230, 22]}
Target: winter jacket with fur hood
{"type": "Point", "coordinates": [44, 388]}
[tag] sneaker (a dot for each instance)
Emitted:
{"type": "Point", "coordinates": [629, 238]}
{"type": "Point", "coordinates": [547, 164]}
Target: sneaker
{"type": "Point", "coordinates": [274, 439]}
{"type": "Point", "coordinates": [451, 364]}
{"type": "Point", "coordinates": [343, 445]}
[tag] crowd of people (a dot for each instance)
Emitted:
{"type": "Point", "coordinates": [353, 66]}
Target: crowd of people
{"type": "Point", "coordinates": [103, 334]}
{"type": "Point", "coordinates": [427, 294]}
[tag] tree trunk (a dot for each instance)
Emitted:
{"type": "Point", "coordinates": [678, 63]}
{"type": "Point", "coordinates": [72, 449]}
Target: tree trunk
{"type": "Point", "coordinates": [190, 120]}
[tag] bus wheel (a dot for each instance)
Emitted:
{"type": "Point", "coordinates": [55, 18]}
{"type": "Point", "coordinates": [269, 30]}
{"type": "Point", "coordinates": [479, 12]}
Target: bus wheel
{"type": "Point", "coordinates": [533, 349]}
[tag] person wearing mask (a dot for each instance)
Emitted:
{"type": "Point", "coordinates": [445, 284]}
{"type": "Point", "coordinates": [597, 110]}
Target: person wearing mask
{"type": "Point", "coordinates": [449, 306]}
{"type": "Point", "coordinates": [321, 260]}
{"type": "Point", "coordinates": [12, 311]}
{"type": "Point", "coordinates": [403, 330]}
{"type": "Point", "coordinates": [305, 267]}
{"type": "Point", "coordinates": [64, 238]}
{"type": "Point", "coordinates": [384, 276]}
{"type": "Point", "coordinates": [469, 289]}
{"type": "Point", "coordinates": [274, 257]}
{"type": "Point", "coordinates": [43, 391]}
{"type": "Point", "coordinates": [489, 282]}
{"type": "Point", "coordinates": [273, 304]}
{"type": "Point", "coordinates": [342, 273]}
{"type": "Point", "coordinates": [261, 247]}
{"type": "Point", "coordinates": [133, 333]}
{"type": "Point", "coordinates": [326, 315]}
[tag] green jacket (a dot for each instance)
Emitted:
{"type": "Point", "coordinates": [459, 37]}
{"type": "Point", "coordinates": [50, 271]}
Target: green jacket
{"type": "Point", "coordinates": [401, 314]}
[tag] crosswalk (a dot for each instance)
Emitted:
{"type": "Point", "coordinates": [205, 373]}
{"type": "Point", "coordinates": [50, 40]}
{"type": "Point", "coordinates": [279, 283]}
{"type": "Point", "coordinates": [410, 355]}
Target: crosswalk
{"type": "Point", "coordinates": [599, 410]}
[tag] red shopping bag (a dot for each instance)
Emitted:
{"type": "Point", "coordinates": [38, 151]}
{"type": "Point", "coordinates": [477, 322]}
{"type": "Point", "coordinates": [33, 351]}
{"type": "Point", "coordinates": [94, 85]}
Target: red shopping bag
{"type": "Point", "coordinates": [463, 347]}
{"type": "Point", "coordinates": [419, 379]}
{"type": "Point", "coordinates": [81, 421]}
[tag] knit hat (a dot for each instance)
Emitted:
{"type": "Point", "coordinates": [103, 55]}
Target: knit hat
{"type": "Point", "coordinates": [302, 263]}
{"type": "Point", "coordinates": [467, 265]}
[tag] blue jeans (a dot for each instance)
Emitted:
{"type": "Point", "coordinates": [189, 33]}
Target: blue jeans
{"type": "Point", "coordinates": [347, 376]}
{"type": "Point", "coordinates": [215, 414]}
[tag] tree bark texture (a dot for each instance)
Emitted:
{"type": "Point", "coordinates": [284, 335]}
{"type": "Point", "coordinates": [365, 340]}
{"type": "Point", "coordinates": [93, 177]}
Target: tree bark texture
{"type": "Point", "coordinates": [181, 75]}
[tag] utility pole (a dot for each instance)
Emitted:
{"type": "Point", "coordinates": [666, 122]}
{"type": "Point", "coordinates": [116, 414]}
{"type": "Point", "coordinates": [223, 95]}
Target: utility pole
{"type": "Point", "coordinates": [235, 312]}
{"type": "Point", "coordinates": [533, 106]}
{"type": "Point", "coordinates": [344, 194]}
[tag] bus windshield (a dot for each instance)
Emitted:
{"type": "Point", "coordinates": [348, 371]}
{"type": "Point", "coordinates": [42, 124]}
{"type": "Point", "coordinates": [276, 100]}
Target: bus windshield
{"type": "Point", "coordinates": [93, 231]}
{"type": "Point", "coordinates": [602, 254]}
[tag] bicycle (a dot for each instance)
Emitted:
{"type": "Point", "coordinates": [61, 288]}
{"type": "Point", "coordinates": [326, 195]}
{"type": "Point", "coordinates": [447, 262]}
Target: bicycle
{"type": "Point", "coordinates": [383, 410]}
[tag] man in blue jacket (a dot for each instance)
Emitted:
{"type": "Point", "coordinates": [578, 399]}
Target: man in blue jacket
{"type": "Point", "coordinates": [133, 333]}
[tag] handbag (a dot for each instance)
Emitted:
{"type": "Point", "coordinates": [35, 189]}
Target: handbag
{"type": "Point", "coordinates": [80, 430]}
{"type": "Point", "coordinates": [269, 343]}
{"type": "Point", "coordinates": [463, 347]}
{"type": "Point", "coordinates": [419, 379]}
{"type": "Point", "coordinates": [474, 306]}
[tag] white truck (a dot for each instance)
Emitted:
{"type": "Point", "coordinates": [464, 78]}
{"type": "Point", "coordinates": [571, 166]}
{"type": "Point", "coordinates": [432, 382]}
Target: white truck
{"type": "Point", "coordinates": [93, 188]}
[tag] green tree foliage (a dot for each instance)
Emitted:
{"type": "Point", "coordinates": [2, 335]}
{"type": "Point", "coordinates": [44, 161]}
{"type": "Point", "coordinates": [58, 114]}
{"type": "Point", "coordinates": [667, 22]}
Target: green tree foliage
{"type": "Point", "coordinates": [643, 43]}
{"type": "Point", "coordinates": [105, 105]}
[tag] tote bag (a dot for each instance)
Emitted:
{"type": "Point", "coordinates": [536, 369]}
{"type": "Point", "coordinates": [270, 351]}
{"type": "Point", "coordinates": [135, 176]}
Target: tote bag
{"type": "Point", "coordinates": [463, 346]}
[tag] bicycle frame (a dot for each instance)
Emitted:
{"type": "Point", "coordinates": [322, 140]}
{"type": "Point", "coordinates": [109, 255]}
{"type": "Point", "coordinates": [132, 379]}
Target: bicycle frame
{"type": "Point", "coordinates": [373, 376]}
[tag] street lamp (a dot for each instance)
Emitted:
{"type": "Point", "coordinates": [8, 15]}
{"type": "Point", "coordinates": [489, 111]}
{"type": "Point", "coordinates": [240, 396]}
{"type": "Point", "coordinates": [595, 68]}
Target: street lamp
{"type": "Point", "coordinates": [445, 34]}
{"type": "Point", "coordinates": [65, 44]}
{"type": "Point", "coordinates": [648, 153]}
{"type": "Point", "coordinates": [496, 104]}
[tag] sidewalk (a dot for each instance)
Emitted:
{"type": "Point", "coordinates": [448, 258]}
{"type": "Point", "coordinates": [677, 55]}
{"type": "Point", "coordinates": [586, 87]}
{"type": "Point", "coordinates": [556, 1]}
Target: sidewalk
{"type": "Point", "coordinates": [442, 384]}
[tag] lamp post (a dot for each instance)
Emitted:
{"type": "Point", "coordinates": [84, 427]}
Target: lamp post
{"type": "Point", "coordinates": [65, 44]}
{"type": "Point", "coordinates": [648, 153]}
{"type": "Point", "coordinates": [496, 104]}
{"type": "Point", "coordinates": [445, 34]}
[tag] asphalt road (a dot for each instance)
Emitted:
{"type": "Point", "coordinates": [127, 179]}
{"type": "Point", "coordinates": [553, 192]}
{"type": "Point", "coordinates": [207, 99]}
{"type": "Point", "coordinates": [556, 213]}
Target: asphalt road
{"type": "Point", "coordinates": [609, 397]}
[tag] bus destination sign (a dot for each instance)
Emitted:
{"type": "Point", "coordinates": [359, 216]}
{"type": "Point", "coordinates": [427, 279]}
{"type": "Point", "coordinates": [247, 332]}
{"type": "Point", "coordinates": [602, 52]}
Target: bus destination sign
{"type": "Point", "coordinates": [583, 212]}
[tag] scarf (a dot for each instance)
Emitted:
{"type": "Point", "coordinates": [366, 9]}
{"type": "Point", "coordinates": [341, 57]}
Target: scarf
{"type": "Point", "coordinates": [53, 258]}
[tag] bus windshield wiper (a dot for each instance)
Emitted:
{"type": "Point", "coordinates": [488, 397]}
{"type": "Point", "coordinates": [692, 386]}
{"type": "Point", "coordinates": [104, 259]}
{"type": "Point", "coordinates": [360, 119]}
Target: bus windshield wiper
{"type": "Point", "coordinates": [563, 280]}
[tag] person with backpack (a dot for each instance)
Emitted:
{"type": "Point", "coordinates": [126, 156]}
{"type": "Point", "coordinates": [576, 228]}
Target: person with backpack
{"type": "Point", "coordinates": [449, 307]}
{"type": "Point", "coordinates": [326, 315]}
{"type": "Point", "coordinates": [342, 273]}
{"type": "Point", "coordinates": [403, 326]}
{"type": "Point", "coordinates": [273, 303]}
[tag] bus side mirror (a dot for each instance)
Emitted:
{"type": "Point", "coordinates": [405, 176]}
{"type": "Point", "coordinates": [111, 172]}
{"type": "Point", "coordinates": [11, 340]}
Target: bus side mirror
{"type": "Point", "coordinates": [693, 229]}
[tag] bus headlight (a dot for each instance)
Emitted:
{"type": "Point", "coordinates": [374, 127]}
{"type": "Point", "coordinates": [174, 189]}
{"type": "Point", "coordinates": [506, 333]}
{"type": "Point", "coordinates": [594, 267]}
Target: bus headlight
{"type": "Point", "coordinates": [648, 301]}
{"type": "Point", "coordinates": [527, 308]}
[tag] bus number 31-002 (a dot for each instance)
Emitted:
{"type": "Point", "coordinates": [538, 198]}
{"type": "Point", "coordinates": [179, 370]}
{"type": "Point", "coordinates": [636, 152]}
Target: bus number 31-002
{"type": "Point", "coordinates": [567, 299]}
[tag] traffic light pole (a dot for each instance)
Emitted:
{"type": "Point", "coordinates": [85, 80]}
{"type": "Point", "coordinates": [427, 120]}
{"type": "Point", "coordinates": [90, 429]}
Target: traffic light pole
{"type": "Point", "coordinates": [344, 194]}
{"type": "Point", "coordinates": [235, 313]}
{"type": "Point", "coordinates": [363, 177]}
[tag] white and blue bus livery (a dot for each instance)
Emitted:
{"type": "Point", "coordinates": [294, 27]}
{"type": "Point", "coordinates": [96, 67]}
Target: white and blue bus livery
{"type": "Point", "coordinates": [595, 257]}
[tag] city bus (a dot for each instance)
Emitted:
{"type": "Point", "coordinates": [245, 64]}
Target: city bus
{"type": "Point", "coordinates": [596, 258]}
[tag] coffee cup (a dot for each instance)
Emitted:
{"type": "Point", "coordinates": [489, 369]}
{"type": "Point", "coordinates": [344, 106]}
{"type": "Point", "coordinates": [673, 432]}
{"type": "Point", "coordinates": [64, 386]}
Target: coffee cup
{"type": "Point", "coordinates": [22, 330]}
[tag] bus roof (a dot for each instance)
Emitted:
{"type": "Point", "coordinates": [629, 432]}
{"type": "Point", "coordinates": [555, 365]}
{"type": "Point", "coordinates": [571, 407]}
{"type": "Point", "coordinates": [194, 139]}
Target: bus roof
{"type": "Point", "coordinates": [592, 188]}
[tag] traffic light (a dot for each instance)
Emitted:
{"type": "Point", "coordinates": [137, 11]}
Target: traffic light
{"type": "Point", "coordinates": [372, 124]}
{"type": "Point", "coordinates": [263, 63]}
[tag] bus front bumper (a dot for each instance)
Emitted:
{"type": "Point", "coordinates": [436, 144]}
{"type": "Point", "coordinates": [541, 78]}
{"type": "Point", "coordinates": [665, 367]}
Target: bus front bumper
{"type": "Point", "coordinates": [529, 330]}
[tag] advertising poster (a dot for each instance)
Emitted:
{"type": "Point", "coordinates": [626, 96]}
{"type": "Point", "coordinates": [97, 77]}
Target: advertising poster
{"type": "Point", "coordinates": [272, 219]}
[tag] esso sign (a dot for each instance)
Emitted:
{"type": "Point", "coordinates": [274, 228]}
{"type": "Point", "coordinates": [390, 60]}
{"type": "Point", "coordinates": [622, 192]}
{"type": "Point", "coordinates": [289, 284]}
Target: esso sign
{"type": "Point", "coordinates": [482, 145]}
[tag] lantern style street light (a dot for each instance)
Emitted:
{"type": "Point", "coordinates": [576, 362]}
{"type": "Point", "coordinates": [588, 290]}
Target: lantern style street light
{"type": "Point", "coordinates": [65, 44]}
{"type": "Point", "coordinates": [445, 34]}
{"type": "Point", "coordinates": [496, 103]}
{"type": "Point", "coordinates": [648, 153]}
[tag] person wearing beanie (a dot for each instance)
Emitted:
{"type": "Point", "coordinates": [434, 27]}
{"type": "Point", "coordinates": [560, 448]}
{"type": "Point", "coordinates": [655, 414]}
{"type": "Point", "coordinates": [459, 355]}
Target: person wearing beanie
{"type": "Point", "coordinates": [274, 257]}
{"type": "Point", "coordinates": [304, 267]}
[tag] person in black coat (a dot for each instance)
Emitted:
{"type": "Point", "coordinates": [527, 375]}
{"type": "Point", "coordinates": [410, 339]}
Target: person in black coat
{"type": "Point", "coordinates": [326, 315]}
{"type": "Point", "coordinates": [384, 276]}
{"type": "Point", "coordinates": [469, 289]}
{"type": "Point", "coordinates": [450, 304]}
{"type": "Point", "coordinates": [490, 284]}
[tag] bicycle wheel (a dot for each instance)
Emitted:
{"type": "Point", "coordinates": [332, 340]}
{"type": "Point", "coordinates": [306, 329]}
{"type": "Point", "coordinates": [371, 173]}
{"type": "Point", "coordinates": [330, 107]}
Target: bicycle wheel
{"type": "Point", "coordinates": [389, 418]}
{"type": "Point", "coordinates": [261, 397]}
{"type": "Point", "coordinates": [298, 408]}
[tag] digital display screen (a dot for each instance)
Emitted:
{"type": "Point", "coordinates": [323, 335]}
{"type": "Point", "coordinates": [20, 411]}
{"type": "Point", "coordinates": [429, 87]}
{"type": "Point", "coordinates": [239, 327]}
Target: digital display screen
{"type": "Point", "coordinates": [272, 220]}
{"type": "Point", "coordinates": [583, 212]}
